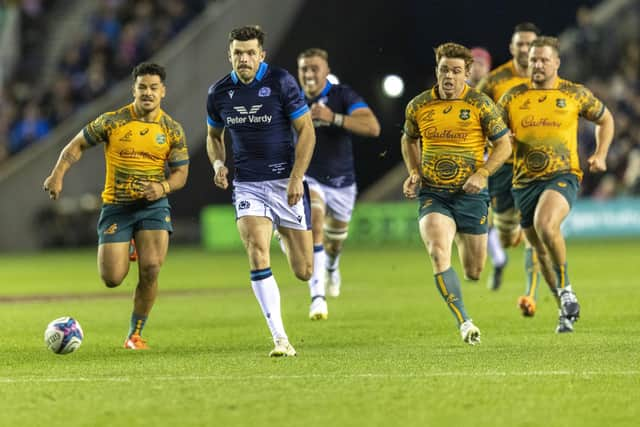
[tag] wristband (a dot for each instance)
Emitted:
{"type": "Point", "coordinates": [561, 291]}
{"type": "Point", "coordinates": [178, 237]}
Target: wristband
{"type": "Point", "coordinates": [338, 119]}
{"type": "Point", "coordinates": [166, 187]}
{"type": "Point", "coordinates": [483, 171]}
{"type": "Point", "coordinates": [217, 164]}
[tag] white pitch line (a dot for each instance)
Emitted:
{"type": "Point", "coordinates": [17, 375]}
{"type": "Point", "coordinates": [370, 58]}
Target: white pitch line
{"type": "Point", "coordinates": [9, 380]}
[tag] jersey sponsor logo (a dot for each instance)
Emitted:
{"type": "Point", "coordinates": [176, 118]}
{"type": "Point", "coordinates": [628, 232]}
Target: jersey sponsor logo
{"type": "Point", "coordinates": [465, 114]}
{"type": "Point", "coordinates": [230, 92]}
{"type": "Point", "coordinates": [531, 121]}
{"type": "Point", "coordinates": [161, 138]}
{"type": "Point", "coordinates": [264, 91]}
{"type": "Point", "coordinates": [130, 153]}
{"type": "Point", "coordinates": [432, 132]}
{"type": "Point", "coordinates": [144, 131]}
{"type": "Point", "coordinates": [127, 137]}
{"type": "Point", "coordinates": [561, 102]}
{"type": "Point", "coordinates": [244, 204]}
{"type": "Point", "coordinates": [248, 115]}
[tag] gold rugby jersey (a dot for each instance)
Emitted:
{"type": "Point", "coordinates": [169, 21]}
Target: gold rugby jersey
{"type": "Point", "coordinates": [135, 151]}
{"type": "Point", "coordinates": [500, 80]}
{"type": "Point", "coordinates": [545, 124]}
{"type": "Point", "coordinates": [453, 134]}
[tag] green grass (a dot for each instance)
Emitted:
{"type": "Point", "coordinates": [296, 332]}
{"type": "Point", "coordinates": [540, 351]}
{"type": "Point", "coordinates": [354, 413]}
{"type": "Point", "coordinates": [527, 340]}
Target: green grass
{"type": "Point", "coordinates": [389, 355]}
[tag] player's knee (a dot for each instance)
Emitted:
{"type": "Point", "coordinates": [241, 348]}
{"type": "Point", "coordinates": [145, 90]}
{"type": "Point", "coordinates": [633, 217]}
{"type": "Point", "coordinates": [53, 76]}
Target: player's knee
{"type": "Point", "coordinates": [304, 271]}
{"type": "Point", "coordinates": [112, 281]}
{"type": "Point", "coordinates": [149, 271]}
{"type": "Point", "coordinates": [472, 273]}
{"type": "Point", "coordinates": [508, 225]}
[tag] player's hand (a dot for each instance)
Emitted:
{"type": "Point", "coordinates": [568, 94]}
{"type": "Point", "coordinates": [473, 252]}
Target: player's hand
{"type": "Point", "coordinates": [151, 190]}
{"type": "Point", "coordinates": [295, 190]}
{"type": "Point", "coordinates": [53, 186]}
{"type": "Point", "coordinates": [322, 113]}
{"type": "Point", "coordinates": [410, 186]}
{"type": "Point", "coordinates": [597, 164]}
{"type": "Point", "coordinates": [220, 179]}
{"type": "Point", "coordinates": [475, 183]}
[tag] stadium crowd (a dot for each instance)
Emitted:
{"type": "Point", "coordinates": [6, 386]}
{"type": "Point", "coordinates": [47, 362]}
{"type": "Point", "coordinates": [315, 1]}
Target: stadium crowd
{"type": "Point", "coordinates": [119, 35]}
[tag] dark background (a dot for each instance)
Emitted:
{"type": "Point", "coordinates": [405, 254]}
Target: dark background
{"type": "Point", "coordinates": [368, 40]}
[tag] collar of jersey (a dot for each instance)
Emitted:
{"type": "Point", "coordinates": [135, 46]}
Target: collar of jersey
{"type": "Point", "coordinates": [262, 70]}
{"type": "Point", "coordinates": [436, 93]}
{"type": "Point", "coordinates": [324, 92]}
{"type": "Point", "coordinates": [132, 109]}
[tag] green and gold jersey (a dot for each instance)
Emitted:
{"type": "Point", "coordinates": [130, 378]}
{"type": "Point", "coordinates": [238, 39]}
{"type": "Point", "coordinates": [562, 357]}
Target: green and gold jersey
{"type": "Point", "coordinates": [545, 124]}
{"type": "Point", "coordinates": [453, 134]}
{"type": "Point", "coordinates": [500, 80]}
{"type": "Point", "coordinates": [135, 151]}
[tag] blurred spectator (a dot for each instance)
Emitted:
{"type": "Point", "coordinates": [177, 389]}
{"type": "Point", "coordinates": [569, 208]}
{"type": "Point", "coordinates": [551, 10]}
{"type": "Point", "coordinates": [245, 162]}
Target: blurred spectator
{"type": "Point", "coordinates": [28, 129]}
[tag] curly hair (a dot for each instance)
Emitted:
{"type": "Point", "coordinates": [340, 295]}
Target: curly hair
{"type": "Point", "coordinates": [149, 69]}
{"type": "Point", "coordinates": [454, 50]}
{"type": "Point", "coordinates": [248, 32]}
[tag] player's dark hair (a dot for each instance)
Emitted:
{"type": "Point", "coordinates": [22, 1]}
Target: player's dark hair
{"type": "Point", "coordinates": [314, 51]}
{"type": "Point", "coordinates": [454, 50]}
{"type": "Point", "coordinates": [542, 41]}
{"type": "Point", "coordinates": [149, 69]}
{"type": "Point", "coordinates": [528, 27]}
{"type": "Point", "coordinates": [248, 32]}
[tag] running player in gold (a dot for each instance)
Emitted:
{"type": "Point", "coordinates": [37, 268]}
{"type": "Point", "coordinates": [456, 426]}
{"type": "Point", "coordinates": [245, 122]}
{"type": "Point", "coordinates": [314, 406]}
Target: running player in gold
{"type": "Point", "coordinates": [543, 113]}
{"type": "Point", "coordinates": [505, 216]}
{"type": "Point", "coordinates": [139, 139]}
{"type": "Point", "coordinates": [443, 144]}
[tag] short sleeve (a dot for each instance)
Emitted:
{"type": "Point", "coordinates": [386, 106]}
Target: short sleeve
{"type": "Point", "coordinates": [293, 101]}
{"type": "Point", "coordinates": [411, 128]}
{"type": "Point", "coordinates": [352, 100]}
{"type": "Point", "coordinates": [591, 108]}
{"type": "Point", "coordinates": [491, 120]}
{"type": "Point", "coordinates": [97, 131]}
{"type": "Point", "coordinates": [178, 153]}
{"type": "Point", "coordinates": [213, 116]}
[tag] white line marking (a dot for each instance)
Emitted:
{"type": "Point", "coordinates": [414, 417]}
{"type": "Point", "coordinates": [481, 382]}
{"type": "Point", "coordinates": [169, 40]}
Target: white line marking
{"type": "Point", "coordinates": [31, 379]}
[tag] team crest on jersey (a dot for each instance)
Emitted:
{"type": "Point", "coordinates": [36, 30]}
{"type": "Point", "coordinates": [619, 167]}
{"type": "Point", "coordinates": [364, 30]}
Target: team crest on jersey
{"type": "Point", "coordinates": [465, 114]}
{"type": "Point", "coordinates": [161, 138]}
{"type": "Point", "coordinates": [264, 91]}
{"type": "Point", "coordinates": [230, 92]}
{"type": "Point", "coordinates": [561, 102]}
{"type": "Point", "coordinates": [244, 204]}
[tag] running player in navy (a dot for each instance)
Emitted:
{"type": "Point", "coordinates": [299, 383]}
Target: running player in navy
{"type": "Point", "coordinates": [337, 112]}
{"type": "Point", "coordinates": [258, 105]}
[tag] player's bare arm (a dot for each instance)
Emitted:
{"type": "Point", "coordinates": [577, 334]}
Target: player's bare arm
{"type": "Point", "coordinates": [217, 156]}
{"type": "Point", "coordinates": [304, 150]}
{"type": "Point", "coordinates": [604, 135]}
{"type": "Point", "coordinates": [501, 152]}
{"type": "Point", "coordinates": [411, 154]}
{"type": "Point", "coordinates": [70, 154]}
{"type": "Point", "coordinates": [177, 179]}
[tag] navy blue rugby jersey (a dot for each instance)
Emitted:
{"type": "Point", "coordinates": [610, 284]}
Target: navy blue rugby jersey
{"type": "Point", "coordinates": [258, 117]}
{"type": "Point", "coordinates": [332, 162]}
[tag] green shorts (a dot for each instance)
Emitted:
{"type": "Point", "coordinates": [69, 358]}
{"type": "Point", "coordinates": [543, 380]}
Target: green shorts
{"type": "Point", "coordinates": [500, 188]}
{"type": "Point", "coordinates": [527, 197]}
{"type": "Point", "coordinates": [118, 223]}
{"type": "Point", "coordinates": [469, 211]}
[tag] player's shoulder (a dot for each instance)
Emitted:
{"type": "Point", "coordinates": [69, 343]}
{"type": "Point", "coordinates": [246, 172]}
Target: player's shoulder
{"type": "Point", "coordinates": [169, 122]}
{"type": "Point", "coordinates": [421, 99]}
{"type": "Point", "coordinates": [572, 88]}
{"type": "Point", "coordinates": [515, 91]}
{"type": "Point", "coordinates": [477, 98]}
{"type": "Point", "coordinates": [501, 72]}
{"type": "Point", "coordinates": [220, 85]}
{"type": "Point", "coordinates": [121, 114]}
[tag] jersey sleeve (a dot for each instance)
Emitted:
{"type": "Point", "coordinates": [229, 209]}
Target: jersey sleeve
{"type": "Point", "coordinates": [491, 120]}
{"type": "Point", "coordinates": [293, 101]}
{"type": "Point", "coordinates": [591, 108]}
{"type": "Point", "coordinates": [352, 101]}
{"type": "Point", "coordinates": [178, 153]}
{"type": "Point", "coordinates": [411, 128]}
{"type": "Point", "coordinates": [213, 116]}
{"type": "Point", "coordinates": [97, 131]}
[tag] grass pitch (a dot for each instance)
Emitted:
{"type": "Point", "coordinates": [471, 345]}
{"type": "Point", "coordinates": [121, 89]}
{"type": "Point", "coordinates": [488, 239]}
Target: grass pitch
{"type": "Point", "coordinates": [389, 355]}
